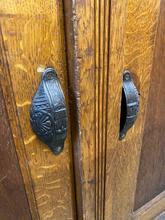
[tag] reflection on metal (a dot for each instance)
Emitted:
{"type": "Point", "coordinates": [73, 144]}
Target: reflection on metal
{"type": "Point", "coordinates": [48, 114]}
{"type": "Point", "coordinates": [129, 105]}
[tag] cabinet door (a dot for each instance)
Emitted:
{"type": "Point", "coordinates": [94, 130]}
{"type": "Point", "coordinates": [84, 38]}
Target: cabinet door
{"type": "Point", "coordinates": [150, 194]}
{"type": "Point", "coordinates": [135, 165]}
{"type": "Point", "coordinates": [13, 201]}
{"type": "Point", "coordinates": [121, 179]}
{"type": "Point", "coordinates": [32, 35]}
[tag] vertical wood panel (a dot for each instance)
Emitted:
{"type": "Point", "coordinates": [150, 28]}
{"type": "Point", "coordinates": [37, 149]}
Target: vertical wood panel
{"type": "Point", "coordinates": [104, 44]}
{"type": "Point", "coordinates": [17, 136]}
{"type": "Point", "coordinates": [89, 64]}
{"type": "Point", "coordinates": [113, 205]}
{"type": "Point", "coordinates": [33, 35]}
{"type": "Point", "coordinates": [80, 51]}
{"type": "Point", "coordinates": [151, 178]}
{"type": "Point", "coordinates": [85, 50]}
{"type": "Point", "coordinates": [123, 156]}
{"type": "Point", "coordinates": [13, 200]}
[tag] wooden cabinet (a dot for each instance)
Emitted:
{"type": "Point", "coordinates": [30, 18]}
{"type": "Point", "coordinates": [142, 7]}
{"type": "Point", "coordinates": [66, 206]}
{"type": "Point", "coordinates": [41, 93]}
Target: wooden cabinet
{"type": "Point", "coordinates": [90, 43]}
{"type": "Point", "coordinates": [32, 35]}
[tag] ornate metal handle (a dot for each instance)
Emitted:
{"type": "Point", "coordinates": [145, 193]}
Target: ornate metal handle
{"type": "Point", "coordinates": [48, 114]}
{"type": "Point", "coordinates": [129, 105]}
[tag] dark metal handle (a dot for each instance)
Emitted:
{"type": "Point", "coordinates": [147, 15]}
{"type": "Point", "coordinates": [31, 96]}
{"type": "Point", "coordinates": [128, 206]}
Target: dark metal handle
{"type": "Point", "coordinates": [129, 104]}
{"type": "Point", "coordinates": [48, 114]}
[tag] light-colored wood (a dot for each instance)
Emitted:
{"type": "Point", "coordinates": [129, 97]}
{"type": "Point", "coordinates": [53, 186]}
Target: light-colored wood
{"type": "Point", "coordinates": [151, 209]}
{"type": "Point", "coordinates": [32, 34]}
{"type": "Point", "coordinates": [115, 64]}
{"type": "Point", "coordinates": [85, 54]}
{"type": "Point", "coordinates": [17, 136]}
{"type": "Point", "coordinates": [13, 201]}
{"type": "Point", "coordinates": [151, 175]}
{"type": "Point", "coordinates": [89, 49]}
{"type": "Point", "coordinates": [123, 156]}
{"type": "Point", "coordinates": [80, 41]}
{"type": "Point", "coordinates": [109, 30]}
{"type": "Point", "coordinates": [109, 36]}
{"type": "Point", "coordinates": [103, 38]}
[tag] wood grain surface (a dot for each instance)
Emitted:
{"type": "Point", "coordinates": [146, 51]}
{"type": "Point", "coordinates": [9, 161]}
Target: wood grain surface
{"type": "Point", "coordinates": [151, 178]}
{"type": "Point", "coordinates": [88, 51]}
{"type": "Point", "coordinates": [123, 156]}
{"type": "Point", "coordinates": [32, 34]}
{"type": "Point", "coordinates": [80, 49]}
{"type": "Point", "coordinates": [115, 61]}
{"type": "Point", "coordinates": [13, 199]}
{"type": "Point", "coordinates": [152, 210]}
{"type": "Point", "coordinates": [103, 39]}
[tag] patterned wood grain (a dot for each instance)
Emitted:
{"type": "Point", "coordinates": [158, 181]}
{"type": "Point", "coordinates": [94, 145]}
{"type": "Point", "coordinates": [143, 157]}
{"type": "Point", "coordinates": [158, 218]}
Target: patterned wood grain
{"type": "Point", "coordinates": [12, 113]}
{"type": "Point", "coordinates": [151, 177]}
{"type": "Point", "coordinates": [88, 59]}
{"type": "Point", "coordinates": [13, 199]}
{"type": "Point", "coordinates": [85, 51]}
{"type": "Point", "coordinates": [83, 86]}
{"type": "Point", "coordinates": [153, 210]}
{"type": "Point", "coordinates": [108, 38]}
{"type": "Point", "coordinates": [74, 96]}
{"type": "Point", "coordinates": [32, 35]}
{"type": "Point", "coordinates": [102, 27]}
{"type": "Point", "coordinates": [123, 156]}
{"type": "Point", "coordinates": [110, 34]}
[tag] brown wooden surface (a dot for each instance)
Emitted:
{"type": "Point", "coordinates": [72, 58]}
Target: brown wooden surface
{"type": "Point", "coordinates": [151, 177]}
{"type": "Point", "coordinates": [103, 39]}
{"type": "Point", "coordinates": [80, 42]}
{"type": "Point", "coordinates": [12, 113]}
{"type": "Point", "coordinates": [108, 38]}
{"type": "Point", "coordinates": [151, 210]}
{"type": "Point", "coordinates": [32, 34]}
{"type": "Point", "coordinates": [122, 157]}
{"type": "Point", "coordinates": [73, 81]}
{"type": "Point", "coordinates": [109, 30]}
{"type": "Point", "coordinates": [13, 199]}
{"type": "Point", "coordinates": [115, 64]}
{"type": "Point", "coordinates": [88, 57]}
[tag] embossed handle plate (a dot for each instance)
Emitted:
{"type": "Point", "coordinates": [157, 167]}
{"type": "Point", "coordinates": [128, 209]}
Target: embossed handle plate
{"type": "Point", "coordinates": [48, 115]}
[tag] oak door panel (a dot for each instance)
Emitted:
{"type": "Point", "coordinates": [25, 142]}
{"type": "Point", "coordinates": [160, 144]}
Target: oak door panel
{"type": "Point", "coordinates": [151, 177]}
{"type": "Point", "coordinates": [32, 35]}
{"type": "Point", "coordinates": [13, 199]}
{"type": "Point", "coordinates": [122, 157]}
{"type": "Point", "coordinates": [89, 48]}
{"type": "Point", "coordinates": [108, 37]}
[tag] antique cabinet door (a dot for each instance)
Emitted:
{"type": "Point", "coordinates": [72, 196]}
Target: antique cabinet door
{"type": "Point", "coordinates": [90, 43]}
{"type": "Point", "coordinates": [32, 35]}
{"type": "Point", "coordinates": [135, 168]}
{"type": "Point", "coordinates": [149, 198]}
{"type": "Point", "coordinates": [120, 179]}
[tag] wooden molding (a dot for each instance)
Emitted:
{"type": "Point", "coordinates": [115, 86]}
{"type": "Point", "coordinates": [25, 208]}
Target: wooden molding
{"type": "Point", "coordinates": [151, 209]}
